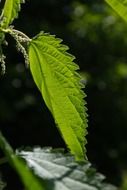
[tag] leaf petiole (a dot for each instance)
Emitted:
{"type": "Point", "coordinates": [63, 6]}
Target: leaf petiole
{"type": "Point", "coordinates": [17, 33]}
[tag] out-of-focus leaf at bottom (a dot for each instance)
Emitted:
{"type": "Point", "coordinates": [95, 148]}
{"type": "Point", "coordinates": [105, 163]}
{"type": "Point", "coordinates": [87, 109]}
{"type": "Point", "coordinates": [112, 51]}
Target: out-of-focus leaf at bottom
{"type": "Point", "coordinates": [62, 172]}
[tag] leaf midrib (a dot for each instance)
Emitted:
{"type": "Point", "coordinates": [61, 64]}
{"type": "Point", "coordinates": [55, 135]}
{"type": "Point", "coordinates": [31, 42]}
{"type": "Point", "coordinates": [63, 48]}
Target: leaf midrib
{"type": "Point", "coordinates": [57, 80]}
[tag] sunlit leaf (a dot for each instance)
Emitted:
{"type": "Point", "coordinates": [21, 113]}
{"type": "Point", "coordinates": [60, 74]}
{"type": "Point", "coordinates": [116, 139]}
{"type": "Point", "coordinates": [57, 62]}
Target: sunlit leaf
{"type": "Point", "coordinates": [62, 172]}
{"type": "Point", "coordinates": [55, 75]}
{"type": "Point", "coordinates": [120, 6]}
{"type": "Point", "coordinates": [10, 12]}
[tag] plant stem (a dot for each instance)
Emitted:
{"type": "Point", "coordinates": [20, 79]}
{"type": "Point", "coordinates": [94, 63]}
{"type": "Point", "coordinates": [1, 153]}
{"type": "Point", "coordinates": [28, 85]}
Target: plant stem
{"type": "Point", "coordinates": [14, 32]}
{"type": "Point", "coordinates": [6, 148]}
{"type": "Point", "coordinates": [29, 180]}
{"type": "Point", "coordinates": [21, 34]}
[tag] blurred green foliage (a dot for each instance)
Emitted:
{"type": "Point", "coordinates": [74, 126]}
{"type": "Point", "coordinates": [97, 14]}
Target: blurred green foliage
{"type": "Point", "coordinates": [124, 181]}
{"type": "Point", "coordinates": [98, 39]}
{"type": "Point", "coordinates": [101, 37]}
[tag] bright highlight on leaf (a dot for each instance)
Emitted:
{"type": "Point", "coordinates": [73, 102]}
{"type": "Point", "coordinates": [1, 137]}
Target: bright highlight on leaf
{"type": "Point", "coordinates": [120, 6]}
{"type": "Point", "coordinates": [10, 11]}
{"type": "Point", "coordinates": [55, 75]}
{"type": "Point", "coordinates": [62, 172]}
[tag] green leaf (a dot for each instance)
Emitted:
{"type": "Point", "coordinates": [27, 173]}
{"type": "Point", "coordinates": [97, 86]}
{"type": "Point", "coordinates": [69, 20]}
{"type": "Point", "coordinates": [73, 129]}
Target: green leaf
{"type": "Point", "coordinates": [10, 12]}
{"type": "Point", "coordinates": [30, 181]}
{"type": "Point", "coordinates": [120, 6]}
{"type": "Point", "coordinates": [62, 172]}
{"type": "Point", "coordinates": [55, 75]}
{"type": "Point", "coordinates": [124, 181]}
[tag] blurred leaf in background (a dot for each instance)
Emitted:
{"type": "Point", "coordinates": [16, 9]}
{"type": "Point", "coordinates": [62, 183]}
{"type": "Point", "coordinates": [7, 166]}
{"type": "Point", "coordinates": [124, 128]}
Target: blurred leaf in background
{"type": "Point", "coordinates": [99, 40]}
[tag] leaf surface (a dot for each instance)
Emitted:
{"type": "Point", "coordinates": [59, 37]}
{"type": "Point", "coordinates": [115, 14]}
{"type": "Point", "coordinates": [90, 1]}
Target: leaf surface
{"type": "Point", "coordinates": [62, 172]}
{"type": "Point", "coordinates": [55, 75]}
{"type": "Point", "coordinates": [120, 6]}
{"type": "Point", "coordinates": [10, 12]}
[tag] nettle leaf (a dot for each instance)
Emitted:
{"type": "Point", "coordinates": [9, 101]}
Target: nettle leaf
{"type": "Point", "coordinates": [10, 12]}
{"type": "Point", "coordinates": [55, 75]}
{"type": "Point", "coordinates": [62, 172]}
{"type": "Point", "coordinates": [120, 6]}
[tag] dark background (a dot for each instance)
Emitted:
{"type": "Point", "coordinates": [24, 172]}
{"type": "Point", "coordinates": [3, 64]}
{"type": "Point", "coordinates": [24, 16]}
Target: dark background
{"type": "Point", "coordinates": [98, 39]}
